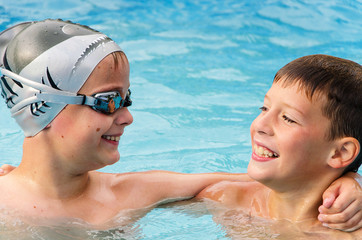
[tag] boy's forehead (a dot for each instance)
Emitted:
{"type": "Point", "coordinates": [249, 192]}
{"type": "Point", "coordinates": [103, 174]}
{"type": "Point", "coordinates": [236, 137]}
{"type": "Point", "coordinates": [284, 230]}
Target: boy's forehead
{"type": "Point", "coordinates": [295, 97]}
{"type": "Point", "coordinates": [313, 92]}
{"type": "Point", "coordinates": [300, 90]}
{"type": "Point", "coordinates": [108, 75]}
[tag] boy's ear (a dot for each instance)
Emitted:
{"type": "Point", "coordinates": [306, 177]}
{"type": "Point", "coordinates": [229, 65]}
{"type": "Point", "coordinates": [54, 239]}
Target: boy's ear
{"type": "Point", "coordinates": [345, 153]}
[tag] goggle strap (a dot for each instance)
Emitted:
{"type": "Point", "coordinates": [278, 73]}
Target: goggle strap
{"type": "Point", "coordinates": [78, 99]}
{"type": "Point", "coordinates": [36, 85]}
{"type": "Point", "coordinates": [86, 100]}
{"type": "Point", "coordinates": [54, 98]}
{"type": "Point", "coordinates": [49, 94]}
{"type": "Point", "coordinates": [23, 103]}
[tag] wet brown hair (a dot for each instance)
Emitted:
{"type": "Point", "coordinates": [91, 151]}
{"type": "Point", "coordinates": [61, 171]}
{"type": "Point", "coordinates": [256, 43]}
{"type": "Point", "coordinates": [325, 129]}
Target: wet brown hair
{"type": "Point", "coordinates": [119, 55]}
{"type": "Point", "coordinates": [340, 81]}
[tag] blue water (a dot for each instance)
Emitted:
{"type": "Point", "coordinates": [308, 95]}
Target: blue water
{"type": "Point", "coordinates": [199, 72]}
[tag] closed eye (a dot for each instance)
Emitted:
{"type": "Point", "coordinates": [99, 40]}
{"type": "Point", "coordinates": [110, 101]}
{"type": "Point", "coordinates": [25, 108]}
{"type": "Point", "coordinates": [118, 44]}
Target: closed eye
{"type": "Point", "coordinates": [288, 119]}
{"type": "Point", "coordinates": [263, 108]}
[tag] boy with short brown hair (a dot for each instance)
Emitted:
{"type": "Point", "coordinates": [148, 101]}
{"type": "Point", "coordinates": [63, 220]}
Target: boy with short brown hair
{"type": "Point", "coordinates": [307, 135]}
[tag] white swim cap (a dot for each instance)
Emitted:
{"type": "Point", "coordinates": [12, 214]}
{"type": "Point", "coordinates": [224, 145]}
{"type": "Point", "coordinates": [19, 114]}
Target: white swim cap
{"type": "Point", "coordinates": [53, 55]}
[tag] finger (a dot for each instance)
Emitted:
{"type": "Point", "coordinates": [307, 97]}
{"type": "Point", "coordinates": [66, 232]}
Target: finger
{"type": "Point", "coordinates": [328, 201]}
{"type": "Point", "coordinates": [330, 195]}
{"type": "Point", "coordinates": [352, 224]}
{"type": "Point", "coordinates": [340, 204]}
{"type": "Point", "coordinates": [341, 217]}
{"type": "Point", "coordinates": [323, 210]}
{"type": "Point", "coordinates": [5, 169]}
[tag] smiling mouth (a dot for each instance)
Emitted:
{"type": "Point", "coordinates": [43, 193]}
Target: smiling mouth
{"type": "Point", "coordinates": [112, 138]}
{"type": "Point", "coordinates": [264, 152]}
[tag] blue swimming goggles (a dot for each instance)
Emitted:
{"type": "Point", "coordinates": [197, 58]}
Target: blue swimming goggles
{"type": "Point", "coordinates": [109, 102]}
{"type": "Point", "coordinates": [105, 102]}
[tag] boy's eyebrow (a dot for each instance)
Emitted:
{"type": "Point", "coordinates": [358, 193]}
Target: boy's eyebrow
{"type": "Point", "coordinates": [110, 88]}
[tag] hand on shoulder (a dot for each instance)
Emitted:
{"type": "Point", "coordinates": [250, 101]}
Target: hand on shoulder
{"type": "Point", "coordinates": [5, 169]}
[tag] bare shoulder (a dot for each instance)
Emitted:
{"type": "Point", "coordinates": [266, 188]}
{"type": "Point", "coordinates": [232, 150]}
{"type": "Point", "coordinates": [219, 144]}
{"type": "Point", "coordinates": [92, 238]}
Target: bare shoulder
{"type": "Point", "coordinates": [139, 188]}
{"type": "Point", "coordinates": [231, 192]}
{"type": "Point", "coordinates": [117, 180]}
{"type": "Point", "coordinates": [7, 184]}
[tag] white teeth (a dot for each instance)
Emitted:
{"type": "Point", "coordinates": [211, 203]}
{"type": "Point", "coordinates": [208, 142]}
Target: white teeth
{"type": "Point", "coordinates": [260, 150]}
{"type": "Point", "coordinates": [112, 138]}
{"type": "Point", "coordinates": [263, 152]}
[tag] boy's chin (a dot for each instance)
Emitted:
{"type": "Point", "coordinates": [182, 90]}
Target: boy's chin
{"type": "Point", "coordinates": [107, 160]}
{"type": "Point", "coordinates": [257, 174]}
{"type": "Point", "coordinates": [113, 159]}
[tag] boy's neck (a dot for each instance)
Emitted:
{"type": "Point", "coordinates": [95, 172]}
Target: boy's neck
{"type": "Point", "coordinates": [301, 203]}
{"type": "Point", "coordinates": [293, 206]}
{"type": "Point", "coordinates": [298, 197]}
{"type": "Point", "coordinates": [47, 176]}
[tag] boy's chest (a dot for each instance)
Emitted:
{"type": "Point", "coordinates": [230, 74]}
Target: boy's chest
{"type": "Point", "coordinates": [21, 203]}
{"type": "Point", "coordinates": [251, 199]}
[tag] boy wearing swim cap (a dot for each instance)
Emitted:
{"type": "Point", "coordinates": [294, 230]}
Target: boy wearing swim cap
{"type": "Point", "coordinates": [307, 135]}
{"type": "Point", "coordinates": [67, 86]}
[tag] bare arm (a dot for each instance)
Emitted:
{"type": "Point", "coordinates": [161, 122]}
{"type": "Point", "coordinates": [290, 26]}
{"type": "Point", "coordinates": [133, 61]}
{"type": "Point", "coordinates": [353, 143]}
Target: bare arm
{"type": "Point", "coordinates": [172, 186]}
{"type": "Point", "coordinates": [342, 201]}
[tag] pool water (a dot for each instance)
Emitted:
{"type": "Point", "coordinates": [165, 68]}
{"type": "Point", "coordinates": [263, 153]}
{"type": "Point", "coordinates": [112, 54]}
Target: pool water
{"type": "Point", "coordinates": [199, 72]}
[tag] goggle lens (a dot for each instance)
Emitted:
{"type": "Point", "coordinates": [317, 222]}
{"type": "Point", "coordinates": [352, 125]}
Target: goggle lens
{"type": "Point", "coordinates": [109, 102]}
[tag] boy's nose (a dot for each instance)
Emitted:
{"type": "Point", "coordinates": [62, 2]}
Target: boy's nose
{"type": "Point", "coordinates": [123, 117]}
{"type": "Point", "coordinates": [263, 124]}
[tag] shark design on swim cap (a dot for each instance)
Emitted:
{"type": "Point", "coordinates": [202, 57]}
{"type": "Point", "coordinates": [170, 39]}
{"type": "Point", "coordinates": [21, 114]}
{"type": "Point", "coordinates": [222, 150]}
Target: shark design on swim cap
{"type": "Point", "coordinates": [54, 55]}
